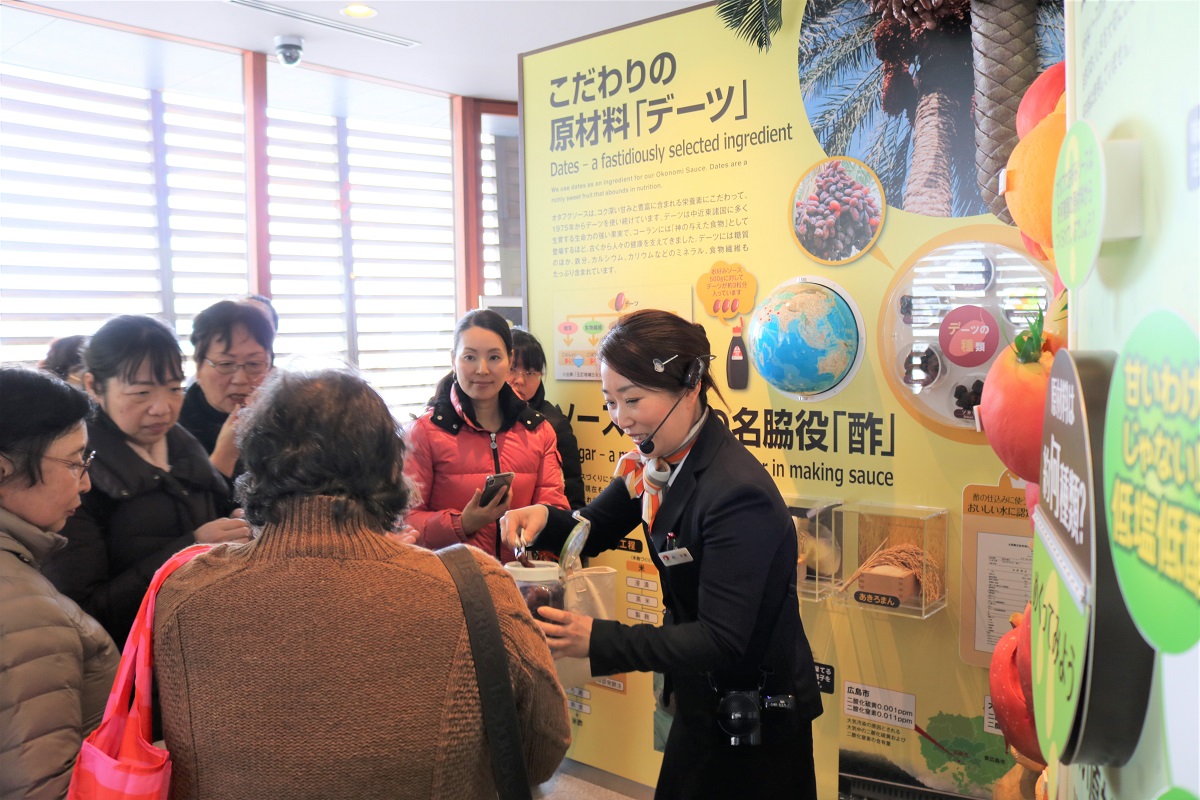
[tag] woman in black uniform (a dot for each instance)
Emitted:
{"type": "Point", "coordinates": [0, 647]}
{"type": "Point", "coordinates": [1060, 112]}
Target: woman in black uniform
{"type": "Point", "coordinates": [720, 535]}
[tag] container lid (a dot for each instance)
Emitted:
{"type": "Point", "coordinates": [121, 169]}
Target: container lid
{"type": "Point", "coordinates": [568, 559]}
{"type": "Point", "coordinates": [540, 572]}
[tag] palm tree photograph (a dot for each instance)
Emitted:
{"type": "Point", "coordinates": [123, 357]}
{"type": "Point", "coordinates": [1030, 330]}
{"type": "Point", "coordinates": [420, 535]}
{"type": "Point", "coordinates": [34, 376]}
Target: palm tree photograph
{"type": "Point", "coordinates": [925, 92]}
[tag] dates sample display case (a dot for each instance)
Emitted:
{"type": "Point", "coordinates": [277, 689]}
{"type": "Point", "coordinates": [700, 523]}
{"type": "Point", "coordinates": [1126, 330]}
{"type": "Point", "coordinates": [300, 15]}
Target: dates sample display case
{"type": "Point", "coordinates": [947, 318]}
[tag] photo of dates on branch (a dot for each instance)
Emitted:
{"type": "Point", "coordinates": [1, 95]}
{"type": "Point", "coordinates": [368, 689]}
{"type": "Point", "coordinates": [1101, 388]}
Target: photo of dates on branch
{"type": "Point", "coordinates": [838, 210]}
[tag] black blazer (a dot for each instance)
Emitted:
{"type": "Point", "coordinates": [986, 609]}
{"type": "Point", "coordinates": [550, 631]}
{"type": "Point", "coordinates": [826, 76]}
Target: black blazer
{"type": "Point", "coordinates": [733, 608]}
{"type": "Point", "coordinates": [731, 616]}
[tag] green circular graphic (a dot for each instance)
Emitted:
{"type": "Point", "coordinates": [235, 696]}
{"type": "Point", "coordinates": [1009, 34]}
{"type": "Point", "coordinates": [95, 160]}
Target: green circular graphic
{"type": "Point", "coordinates": [1059, 654]}
{"type": "Point", "coordinates": [1152, 479]}
{"type": "Point", "coordinates": [1176, 794]}
{"type": "Point", "coordinates": [1077, 213]}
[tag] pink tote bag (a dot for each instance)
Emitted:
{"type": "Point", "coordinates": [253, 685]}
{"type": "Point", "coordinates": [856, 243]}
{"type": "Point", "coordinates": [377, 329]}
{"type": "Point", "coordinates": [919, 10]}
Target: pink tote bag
{"type": "Point", "coordinates": [118, 760]}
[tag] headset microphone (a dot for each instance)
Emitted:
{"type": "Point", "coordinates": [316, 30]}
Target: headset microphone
{"type": "Point", "coordinates": [690, 380]}
{"type": "Point", "coordinates": [647, 444]}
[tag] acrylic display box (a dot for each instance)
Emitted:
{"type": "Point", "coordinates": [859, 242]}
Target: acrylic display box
{"type": "Point", "coordinates": [894, 558]}
{"type": "Point", "coordinates": [819, 545]}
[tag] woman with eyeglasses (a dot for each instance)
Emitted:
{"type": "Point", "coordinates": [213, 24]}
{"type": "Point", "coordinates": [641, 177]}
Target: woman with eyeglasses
{"type": "Point", "coordinates": [233, 344]}
{"type": "Point", "coordinates": [529, 364]}
{"type": "Point", "coordinates": [58, 663]}
{"type": "Point", "coordinates": [154, 491]}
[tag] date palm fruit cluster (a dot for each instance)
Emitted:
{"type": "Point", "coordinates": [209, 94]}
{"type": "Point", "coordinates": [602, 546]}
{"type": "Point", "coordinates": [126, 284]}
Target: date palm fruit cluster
{"type": "Point", "coordinates": [895, 49]}
{"type": "Point", "coordinates": [839, 217]}
{"type": "Point", "coordinates": [927, 14]}
{"type": "Point", "coordinates": [906, 28]}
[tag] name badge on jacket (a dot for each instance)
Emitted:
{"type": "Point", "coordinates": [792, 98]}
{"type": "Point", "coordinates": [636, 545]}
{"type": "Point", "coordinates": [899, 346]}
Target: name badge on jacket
{"type": "Point", "coordinates": [671, 558]}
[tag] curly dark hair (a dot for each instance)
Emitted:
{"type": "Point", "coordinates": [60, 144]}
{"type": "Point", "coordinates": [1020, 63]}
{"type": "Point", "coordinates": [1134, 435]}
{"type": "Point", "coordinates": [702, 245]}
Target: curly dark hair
{"type": "Point", "coordinates": [325, 432]}
{"type": "Point", "coordinates": [39, 407]}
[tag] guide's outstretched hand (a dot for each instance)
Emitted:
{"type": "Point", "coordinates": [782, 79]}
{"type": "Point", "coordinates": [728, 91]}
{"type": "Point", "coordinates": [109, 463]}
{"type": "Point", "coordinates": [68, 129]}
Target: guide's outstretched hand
{"type": "Point", "coordinates": [520, 526]}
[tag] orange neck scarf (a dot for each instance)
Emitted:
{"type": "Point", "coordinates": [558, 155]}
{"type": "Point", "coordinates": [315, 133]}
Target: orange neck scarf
{"type": "Point", "coordinates": [648, 476]}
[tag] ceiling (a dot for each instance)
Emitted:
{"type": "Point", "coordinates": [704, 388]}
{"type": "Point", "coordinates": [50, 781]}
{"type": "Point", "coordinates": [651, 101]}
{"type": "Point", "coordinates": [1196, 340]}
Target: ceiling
{"type": "Point", "coordinates": [467, 47]}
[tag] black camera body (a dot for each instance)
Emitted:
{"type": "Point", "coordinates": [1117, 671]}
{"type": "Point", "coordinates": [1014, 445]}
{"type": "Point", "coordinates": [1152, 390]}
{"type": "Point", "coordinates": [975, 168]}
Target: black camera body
{"type": "Point", "coordinates": [739, 713]}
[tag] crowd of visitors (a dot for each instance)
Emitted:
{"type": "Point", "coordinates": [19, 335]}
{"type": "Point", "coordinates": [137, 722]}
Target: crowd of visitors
{"type": "Point", "coordinates": [318, 647]}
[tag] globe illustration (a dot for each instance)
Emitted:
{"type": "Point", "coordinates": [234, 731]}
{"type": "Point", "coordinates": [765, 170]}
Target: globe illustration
{"type": "Point", "coordinates": [804, 338]}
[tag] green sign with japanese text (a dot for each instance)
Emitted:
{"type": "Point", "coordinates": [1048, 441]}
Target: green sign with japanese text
{"type": "Point", "coordinates": [1077, 212]}
{"type": "Point", "coordinates": [1152, 479]}
{"type": "Point", "coordinates": [1086, 649]}
{"type": "Point", "coordinates": [1059, 652]}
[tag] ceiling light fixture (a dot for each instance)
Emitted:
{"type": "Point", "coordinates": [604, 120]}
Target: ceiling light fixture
{"type": "Point", "coordinates": [345, 27]}
{"type": "Point", "coordinates": [359, 11]}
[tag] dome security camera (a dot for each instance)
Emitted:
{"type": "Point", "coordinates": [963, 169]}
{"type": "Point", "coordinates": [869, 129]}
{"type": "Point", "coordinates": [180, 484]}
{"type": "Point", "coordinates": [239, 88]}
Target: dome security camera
{"type": "Point", "coordinates": [289, 50]}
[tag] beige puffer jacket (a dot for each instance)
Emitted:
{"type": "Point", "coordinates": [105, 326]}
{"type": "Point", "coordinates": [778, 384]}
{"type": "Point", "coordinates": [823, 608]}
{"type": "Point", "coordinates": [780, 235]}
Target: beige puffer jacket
{"type": "Point", "coordinates": [57, 666]}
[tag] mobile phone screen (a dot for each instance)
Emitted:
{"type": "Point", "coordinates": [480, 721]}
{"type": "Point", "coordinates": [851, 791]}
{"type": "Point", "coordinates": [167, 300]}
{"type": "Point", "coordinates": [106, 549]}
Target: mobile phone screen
{"type": "Point", "coordinates": [491, 487]}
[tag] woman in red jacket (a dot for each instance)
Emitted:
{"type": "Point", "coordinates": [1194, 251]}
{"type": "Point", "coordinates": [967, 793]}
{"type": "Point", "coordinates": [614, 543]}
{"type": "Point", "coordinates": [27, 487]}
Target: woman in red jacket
{"type": "Point", "coordinates": [477, 426]}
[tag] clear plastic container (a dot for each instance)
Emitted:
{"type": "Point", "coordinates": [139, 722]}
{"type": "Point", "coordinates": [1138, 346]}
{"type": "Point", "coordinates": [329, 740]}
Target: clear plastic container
{"type": "Point", "coordinates": [539, 584]}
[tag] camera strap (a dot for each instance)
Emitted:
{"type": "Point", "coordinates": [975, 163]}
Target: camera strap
{"type": "Point", "coordinates": [763, 670]}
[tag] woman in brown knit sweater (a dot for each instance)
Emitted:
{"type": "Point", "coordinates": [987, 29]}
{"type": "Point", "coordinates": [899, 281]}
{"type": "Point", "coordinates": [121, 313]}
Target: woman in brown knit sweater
{"type": "Point", "coordinates": [325, 659]}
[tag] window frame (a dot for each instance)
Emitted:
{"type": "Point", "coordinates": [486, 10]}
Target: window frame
{"type": "Point", "coordinates": [466, 162]}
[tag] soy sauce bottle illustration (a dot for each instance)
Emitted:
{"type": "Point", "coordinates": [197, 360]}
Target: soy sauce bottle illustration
{"type": "Point", "coordinates": [737, 368]}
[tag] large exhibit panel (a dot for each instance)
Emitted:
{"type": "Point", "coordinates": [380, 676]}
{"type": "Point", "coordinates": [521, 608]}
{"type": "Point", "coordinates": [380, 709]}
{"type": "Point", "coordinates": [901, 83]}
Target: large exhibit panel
{"type": "Point", "coordinates": [825, 226]}
{"type": "Point", "coordinates": [829, 220]}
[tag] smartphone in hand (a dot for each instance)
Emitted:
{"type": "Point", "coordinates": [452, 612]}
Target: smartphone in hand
{"type": "Point", "coordinates": [492, 486]}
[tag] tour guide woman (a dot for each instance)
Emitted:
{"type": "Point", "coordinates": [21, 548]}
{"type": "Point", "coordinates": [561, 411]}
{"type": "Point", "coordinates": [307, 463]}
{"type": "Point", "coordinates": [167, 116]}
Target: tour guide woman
{"type": "Point", "coordinates": [732, 620]}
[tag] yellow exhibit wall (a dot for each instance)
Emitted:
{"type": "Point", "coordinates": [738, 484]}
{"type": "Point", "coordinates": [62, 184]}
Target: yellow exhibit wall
{"type": "Point", "coordinates": [674, 165]}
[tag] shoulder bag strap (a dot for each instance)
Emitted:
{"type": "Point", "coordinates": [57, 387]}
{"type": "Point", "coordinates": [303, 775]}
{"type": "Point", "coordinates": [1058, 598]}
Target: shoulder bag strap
{"type": "Point", "coordinates": [137, 656]}
{"type": "Point", "coordinates": [499, 706]}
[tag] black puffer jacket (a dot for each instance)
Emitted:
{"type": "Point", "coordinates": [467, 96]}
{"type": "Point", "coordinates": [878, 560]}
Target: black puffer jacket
{"type": "Point", "coordinates": [200, 419]}
{"type": "Point", "coordinates": [568, 447]}
{"type": "Point", "coordinates": [134, 518]}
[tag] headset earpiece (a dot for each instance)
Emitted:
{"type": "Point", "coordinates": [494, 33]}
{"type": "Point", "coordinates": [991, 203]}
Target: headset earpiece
{"type": "Point", "coordinates": [691, 379]}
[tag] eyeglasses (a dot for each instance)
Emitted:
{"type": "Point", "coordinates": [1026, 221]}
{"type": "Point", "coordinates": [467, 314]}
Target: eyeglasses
{"type": "Point", "coordinates": [526, 374]}
{"type": "Point", "coordinates": [253, 368]}
{"type": "Point", "coordinates": [78, 468]}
